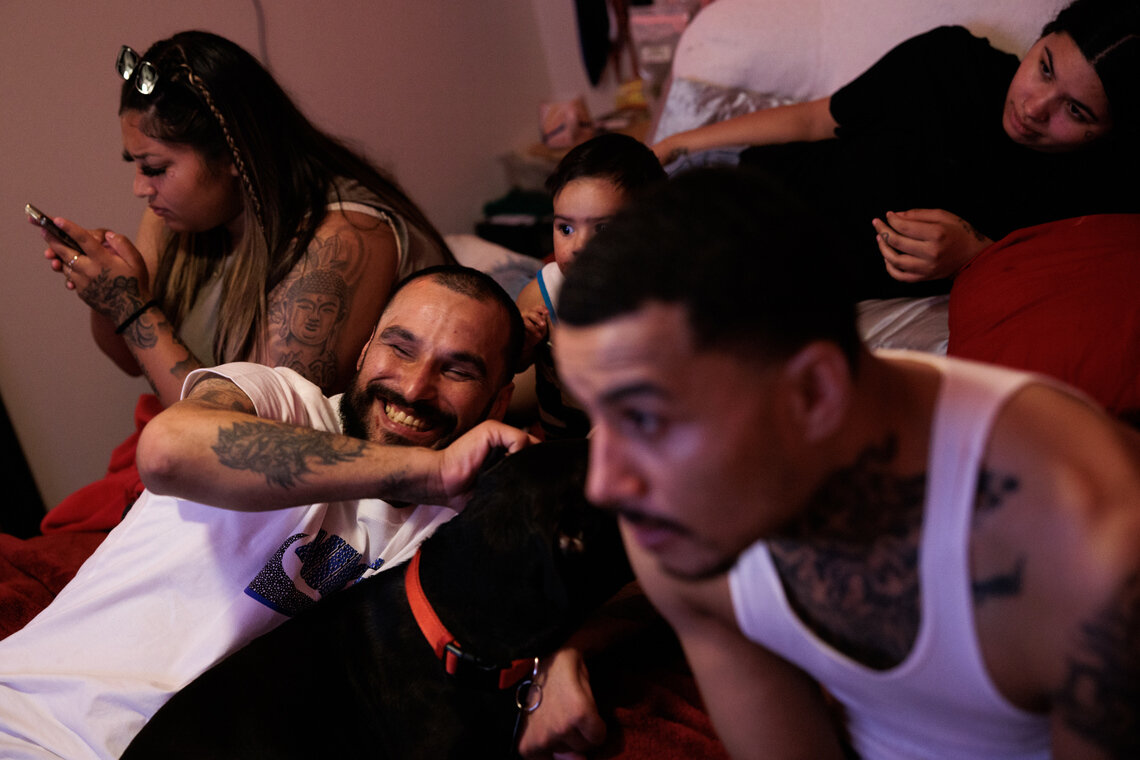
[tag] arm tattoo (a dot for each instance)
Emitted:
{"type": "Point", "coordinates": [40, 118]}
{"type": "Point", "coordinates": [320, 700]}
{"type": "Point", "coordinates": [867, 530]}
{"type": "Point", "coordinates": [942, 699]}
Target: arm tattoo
{"type": "Point", "coordinates": [225, 401]}
{"type": "Point", "coordinates": [186, 366]}
{"type": "Point", "coordinates": [854, 579]}
{"type": "Point", "coordinates": [116, 297]}
{"type": "Point", "coordinates": [993, 491]}
{"type": "Point", "coordinates": [310, 306]}
{"type": "Point", "coordinates": [282, 453]}
{"type": "Point", "coordinates": [222, 393]}
{"type": "Point", "coordinates": [970, 230]}
{"type": "Point", "coordinates": [1100, 699]}
{"type": "Point", "coordinates": [999, 584]}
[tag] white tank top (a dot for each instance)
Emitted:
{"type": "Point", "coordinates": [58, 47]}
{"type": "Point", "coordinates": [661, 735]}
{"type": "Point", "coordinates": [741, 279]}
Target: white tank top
{"type": "Point", "coordinates": [939, 702]}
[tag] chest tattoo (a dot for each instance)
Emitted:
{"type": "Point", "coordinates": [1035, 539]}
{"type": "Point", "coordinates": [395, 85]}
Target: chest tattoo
{"type": "Point", "coordinates": [854, 580]}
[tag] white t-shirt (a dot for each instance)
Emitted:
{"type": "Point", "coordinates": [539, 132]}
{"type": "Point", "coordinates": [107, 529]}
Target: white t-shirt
{"type": "Point", "coordinates": [179, 585]}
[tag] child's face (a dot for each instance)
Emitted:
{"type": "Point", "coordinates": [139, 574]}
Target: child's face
{"type": "Point", "coordinates": [582, 207]}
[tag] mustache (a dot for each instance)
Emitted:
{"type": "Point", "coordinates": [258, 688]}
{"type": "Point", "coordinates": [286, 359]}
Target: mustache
{"type": "Point", "coordinates": [638, 518]}
{"type": "Point", "coordinates": [425, 411]}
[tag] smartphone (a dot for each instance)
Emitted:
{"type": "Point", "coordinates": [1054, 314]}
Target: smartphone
{"type": "Point", "coordinates": [45, 221]}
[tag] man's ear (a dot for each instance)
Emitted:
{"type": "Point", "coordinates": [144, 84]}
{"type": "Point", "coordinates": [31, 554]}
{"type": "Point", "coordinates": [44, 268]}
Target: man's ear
{"type": "Point", "coordinates": [502, 401]}
{"type": "Point", "coordinates": [818, 386]}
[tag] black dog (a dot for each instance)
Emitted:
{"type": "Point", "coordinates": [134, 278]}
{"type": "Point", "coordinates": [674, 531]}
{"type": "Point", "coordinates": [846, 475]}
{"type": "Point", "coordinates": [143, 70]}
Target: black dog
{"type": "Point", "coordinates": [511, 577]}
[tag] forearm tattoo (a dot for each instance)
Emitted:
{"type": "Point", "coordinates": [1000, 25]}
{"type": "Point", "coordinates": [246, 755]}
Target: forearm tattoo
{"type": "Point", "coordinates": [115, 297]}
{"type": "Point", "coordinates": [854, 580]}
{"type": "Point", "coordinates": [282, 454]}
{"type": "Point", "coordinates": [970, 230]}
{"type": "Point", "coordinates": [1100, 698]}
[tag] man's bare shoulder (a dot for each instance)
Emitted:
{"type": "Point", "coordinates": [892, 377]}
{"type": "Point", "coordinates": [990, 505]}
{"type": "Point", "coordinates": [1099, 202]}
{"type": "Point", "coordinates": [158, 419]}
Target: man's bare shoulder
{"type": "Point", "coordinates": [1074, 457]}
{"type": "Point", "coordinates": [1058, 522]}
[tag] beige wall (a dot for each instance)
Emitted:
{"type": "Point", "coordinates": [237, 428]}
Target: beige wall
{"type": "Point", "coordinates": [433, 90]}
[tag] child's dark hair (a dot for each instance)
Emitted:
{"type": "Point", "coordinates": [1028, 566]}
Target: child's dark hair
{"type": "Point", "coordinates": [726, 245]}
{"type": "Point", "coordinates": [623, 160]}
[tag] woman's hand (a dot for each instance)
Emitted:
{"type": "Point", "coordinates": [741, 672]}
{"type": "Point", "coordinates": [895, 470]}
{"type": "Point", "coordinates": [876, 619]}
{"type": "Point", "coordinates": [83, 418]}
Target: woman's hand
{"type": "Point", "coordinates": [110, 277]}
{"type": "Point", "coordinates": [927, 244]}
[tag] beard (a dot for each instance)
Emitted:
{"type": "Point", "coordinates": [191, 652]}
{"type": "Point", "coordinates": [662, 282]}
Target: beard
{"type": "Point", "coordinates": [356, 403]}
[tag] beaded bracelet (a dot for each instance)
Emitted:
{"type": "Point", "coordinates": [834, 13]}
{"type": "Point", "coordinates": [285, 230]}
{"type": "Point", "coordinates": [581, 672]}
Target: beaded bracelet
{"type": "Point", "coordinates": [127, 322]}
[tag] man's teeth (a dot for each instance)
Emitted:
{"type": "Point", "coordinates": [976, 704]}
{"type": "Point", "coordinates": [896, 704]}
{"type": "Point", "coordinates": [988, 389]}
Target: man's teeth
{"type": "Point", "coordinates": [404, 419]}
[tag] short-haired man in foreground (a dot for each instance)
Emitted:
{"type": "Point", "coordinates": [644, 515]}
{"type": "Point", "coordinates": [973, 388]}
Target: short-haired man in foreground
{"type": "Point", "coordinates": [180, 584]}
{"type": "Point", "coordinates": [950, 549]}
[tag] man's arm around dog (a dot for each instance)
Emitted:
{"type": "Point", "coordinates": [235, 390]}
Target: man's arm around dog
{"type": "Point", "coordinates": [213, 448]}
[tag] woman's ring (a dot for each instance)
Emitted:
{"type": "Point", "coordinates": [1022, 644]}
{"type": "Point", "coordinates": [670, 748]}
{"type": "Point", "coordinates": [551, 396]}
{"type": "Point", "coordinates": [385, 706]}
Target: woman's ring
{"type": "Point", "coordinates": [74, 259]}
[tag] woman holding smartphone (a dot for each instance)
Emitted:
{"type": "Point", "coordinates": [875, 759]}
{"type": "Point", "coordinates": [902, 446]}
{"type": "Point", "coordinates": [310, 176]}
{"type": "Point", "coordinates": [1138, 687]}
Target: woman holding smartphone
{"type": "Point", "coordinates": [264, 239]}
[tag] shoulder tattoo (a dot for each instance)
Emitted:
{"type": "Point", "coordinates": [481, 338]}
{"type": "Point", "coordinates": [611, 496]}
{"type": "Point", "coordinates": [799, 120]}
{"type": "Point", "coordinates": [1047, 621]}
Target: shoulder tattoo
{"type": "Point", "coordinates": [310, 306]}
{"type": "Point", "coordinates": [994, 491]}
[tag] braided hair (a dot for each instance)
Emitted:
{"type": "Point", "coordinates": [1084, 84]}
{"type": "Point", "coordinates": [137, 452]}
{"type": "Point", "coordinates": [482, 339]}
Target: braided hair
{"type": "Point", "coordinates": [213, 96]}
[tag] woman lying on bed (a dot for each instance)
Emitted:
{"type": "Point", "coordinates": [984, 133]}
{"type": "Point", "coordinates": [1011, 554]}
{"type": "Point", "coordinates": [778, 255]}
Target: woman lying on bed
{"type": "Point", "coordinates": [947, 144]}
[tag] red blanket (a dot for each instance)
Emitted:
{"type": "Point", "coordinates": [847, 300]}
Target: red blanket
{"type": "Point", "coordinates": [651, 704]}
{"type": "Point", "coordinates": [33, 570]}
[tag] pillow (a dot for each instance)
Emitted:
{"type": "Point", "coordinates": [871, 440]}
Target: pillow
{"type": "Point", "coordinates": [915, 324]}
{"type": "Point", "coordinates": [511, 270]}
{"type": "Point", "coordinates": [691, 103]}
{"type": "Point", "coordinates": [1059, 299]}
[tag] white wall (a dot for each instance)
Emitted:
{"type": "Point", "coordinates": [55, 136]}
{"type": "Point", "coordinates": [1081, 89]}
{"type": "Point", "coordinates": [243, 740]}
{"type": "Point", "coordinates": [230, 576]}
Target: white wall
{"type": "Point", "coordinates": [433, 90]}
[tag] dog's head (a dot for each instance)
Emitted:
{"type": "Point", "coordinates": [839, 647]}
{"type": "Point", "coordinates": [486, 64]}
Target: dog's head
{"type": "Point", "coordinates": [529, 557]}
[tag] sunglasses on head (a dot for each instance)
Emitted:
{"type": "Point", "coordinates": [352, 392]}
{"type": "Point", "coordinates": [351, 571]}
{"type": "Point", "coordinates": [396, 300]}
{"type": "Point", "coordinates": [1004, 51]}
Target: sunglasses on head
{"type": "Point", "coordinates": [144, 72]}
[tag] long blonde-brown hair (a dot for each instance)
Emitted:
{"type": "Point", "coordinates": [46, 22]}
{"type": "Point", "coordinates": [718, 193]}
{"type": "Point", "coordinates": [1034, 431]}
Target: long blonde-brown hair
{"type": "Point", "coordinates": [215, 97]}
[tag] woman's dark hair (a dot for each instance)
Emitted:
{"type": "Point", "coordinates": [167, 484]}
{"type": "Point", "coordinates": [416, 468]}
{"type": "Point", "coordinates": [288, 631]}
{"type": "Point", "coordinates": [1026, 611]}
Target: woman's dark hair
{"type": "Point", "coordinates": [623, 160]}
{"type": "Point", "coordinates": [216, 98]}
{"type": "Point", "coordinates": [1107, 32]}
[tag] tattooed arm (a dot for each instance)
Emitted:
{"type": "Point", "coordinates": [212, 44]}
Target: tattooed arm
{"type": "Point", "coordinates": [1055, 555]}
{"type": "Point", "coordinates": [322, 313]}
{"type": "Point", "coordinates": [114, 280]}
{"type": "Point", "coordinates": [147, 241]}
{"type": "Point", "coordinates": [319, 316]}
{"type": "Point", "coordinates": [214, 449]}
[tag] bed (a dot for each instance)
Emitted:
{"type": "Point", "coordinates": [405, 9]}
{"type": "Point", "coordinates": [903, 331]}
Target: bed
{"type": "Point", "coordinates": [737, 55]}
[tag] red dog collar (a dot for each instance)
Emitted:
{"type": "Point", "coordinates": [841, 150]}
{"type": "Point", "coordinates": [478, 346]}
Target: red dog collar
{"type": "Point", "coordinates": [457, 662]}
